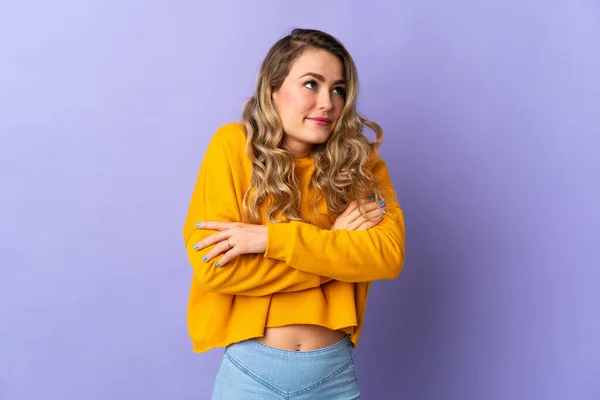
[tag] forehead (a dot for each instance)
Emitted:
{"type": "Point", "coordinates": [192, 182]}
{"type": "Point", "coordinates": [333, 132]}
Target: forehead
{"type": "Point", "coordinates": [320, 62]}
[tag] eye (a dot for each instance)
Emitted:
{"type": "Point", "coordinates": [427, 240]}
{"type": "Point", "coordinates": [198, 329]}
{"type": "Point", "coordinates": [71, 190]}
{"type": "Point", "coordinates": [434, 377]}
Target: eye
{"type": "Point", "coordinates": [310, 85]}
{"type": "Point", "coordinates": [340, 90]}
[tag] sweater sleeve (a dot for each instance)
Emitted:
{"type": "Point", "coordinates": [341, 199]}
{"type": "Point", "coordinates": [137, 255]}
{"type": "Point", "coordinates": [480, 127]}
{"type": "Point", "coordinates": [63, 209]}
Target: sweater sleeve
{"type": "Point", "coordinates": [351, 256]}
{"type": "Point", "coordinates": [218, 196]}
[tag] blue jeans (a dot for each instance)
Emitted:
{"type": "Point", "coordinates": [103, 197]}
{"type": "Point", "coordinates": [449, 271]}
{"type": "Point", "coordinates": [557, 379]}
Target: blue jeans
{"type": "Point", "coordinates": [251, 370]}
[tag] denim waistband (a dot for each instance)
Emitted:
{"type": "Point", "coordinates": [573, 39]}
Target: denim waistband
{"type": "Point", "coordinates": [256, 354]}
{"type": "Point", "coordinates": [258, 346]}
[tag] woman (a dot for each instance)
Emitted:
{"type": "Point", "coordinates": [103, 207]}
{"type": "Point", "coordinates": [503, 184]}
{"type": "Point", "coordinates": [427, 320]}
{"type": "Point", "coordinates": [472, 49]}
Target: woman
{"type": "Point", "coordinates": [292, 216]}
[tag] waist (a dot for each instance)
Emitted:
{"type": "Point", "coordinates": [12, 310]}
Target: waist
{"type": "Point", "coordinates": [301, 337]}
{"type": "Point", "coordinates": [252, 349]}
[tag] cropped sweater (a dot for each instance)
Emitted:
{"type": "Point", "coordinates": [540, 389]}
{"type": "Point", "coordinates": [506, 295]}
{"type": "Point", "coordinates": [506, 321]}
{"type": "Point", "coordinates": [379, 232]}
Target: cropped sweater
{"type": "Point", "coordinates": [308, 274]}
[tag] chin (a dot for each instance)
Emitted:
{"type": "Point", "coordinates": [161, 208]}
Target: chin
{"type": "Point", "coordinates": [319, 137]}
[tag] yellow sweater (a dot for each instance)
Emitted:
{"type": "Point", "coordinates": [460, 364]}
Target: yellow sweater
{"type": "Point", "coordinates": [308, 273]}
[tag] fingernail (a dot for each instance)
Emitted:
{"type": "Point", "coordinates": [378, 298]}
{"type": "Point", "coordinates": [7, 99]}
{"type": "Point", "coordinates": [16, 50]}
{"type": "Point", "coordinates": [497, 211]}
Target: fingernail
{"type": "Point", "coordinates": [371, 198]}
{"type": "Point", "coordinates": [381, 202]}
{"type": "Point", "coordinates": [196, 246]}
{"type": "Point", "coordinates": [204, 258]}
{"type": "Point", "coordinates": [198, 224]}
{"type": "Point", "coordinates": [218, 264]}
{"type": "Point", "coordinates": [380, 217]}
{"type": "Point", "coordinates": [383, 208]}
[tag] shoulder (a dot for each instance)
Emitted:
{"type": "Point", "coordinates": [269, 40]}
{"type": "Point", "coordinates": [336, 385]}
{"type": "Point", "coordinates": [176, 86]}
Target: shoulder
{"type": "Point", "coordinates": [230, 138]}
{"type": "Point", "coordinates": [232, 132]}
{"type": "Point", "coordinates": [377, 166]}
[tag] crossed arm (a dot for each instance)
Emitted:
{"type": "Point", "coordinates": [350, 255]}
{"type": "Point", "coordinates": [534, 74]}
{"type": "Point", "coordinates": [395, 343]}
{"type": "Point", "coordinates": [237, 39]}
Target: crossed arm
{"type": "Point", "coordinates": [255, 260]}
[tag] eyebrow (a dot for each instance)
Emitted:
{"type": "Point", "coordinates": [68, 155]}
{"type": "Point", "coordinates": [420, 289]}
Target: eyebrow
{"type": "Point", "coordinates": [322, 78]}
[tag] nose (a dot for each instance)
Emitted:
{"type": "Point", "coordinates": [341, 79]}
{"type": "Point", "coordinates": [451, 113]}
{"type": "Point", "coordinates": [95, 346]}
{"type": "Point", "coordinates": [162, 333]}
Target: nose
{"type": "Point", "coordinates": [325, 102]}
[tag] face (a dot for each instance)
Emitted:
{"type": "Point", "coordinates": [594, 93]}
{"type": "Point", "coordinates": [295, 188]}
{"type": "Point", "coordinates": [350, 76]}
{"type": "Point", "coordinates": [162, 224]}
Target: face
{"type": "Point", "coordinates": [310, 100]}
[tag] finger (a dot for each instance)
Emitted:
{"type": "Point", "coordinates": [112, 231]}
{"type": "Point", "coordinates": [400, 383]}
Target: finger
{"type": "Point", "coordinates": [372, 219]}
{"type": "Point", "coordinates": [372, 205]}
{"type": "Point", "coordinates": [354, 220]}
{"type": "Point", "coordinates": [374, 216]}
{"type": "Point", "coordinates": [215, 225]}
{"type": "Point", "coordinates": [364, 200]}
{"type": "Point", "coordinates": [353, 205]}
{"type": "Point", "coordinates": [210, 240]}
{"type": "Point", "coordinates": [356, 223]}
{"type": "Point", "coordinates": [220, 248]}
{"type": "Point", "coordinates": [227, 257]}
{"type": "Point", "coordinates": [364, 210]}
{"type": "Point", "coordinates": [370, 199]}
{"type": "Point", "coordinates": [369, 224]}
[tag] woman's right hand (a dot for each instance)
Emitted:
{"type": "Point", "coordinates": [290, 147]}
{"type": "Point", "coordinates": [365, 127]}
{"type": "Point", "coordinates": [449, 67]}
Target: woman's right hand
{"type": "Point", "coordinates": [352, 219]}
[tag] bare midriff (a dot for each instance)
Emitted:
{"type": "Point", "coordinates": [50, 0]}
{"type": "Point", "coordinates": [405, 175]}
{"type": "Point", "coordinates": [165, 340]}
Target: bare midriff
{"type": "Point", "coordinates": [300, 337]}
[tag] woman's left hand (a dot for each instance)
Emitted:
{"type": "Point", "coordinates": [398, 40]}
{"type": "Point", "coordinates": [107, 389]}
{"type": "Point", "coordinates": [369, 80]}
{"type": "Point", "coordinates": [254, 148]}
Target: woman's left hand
{"type": "Point", "coordinates": [233, 239]}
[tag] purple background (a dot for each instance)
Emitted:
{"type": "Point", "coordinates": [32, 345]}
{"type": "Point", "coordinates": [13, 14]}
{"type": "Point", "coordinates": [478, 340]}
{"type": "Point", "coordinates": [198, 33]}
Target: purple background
{"type": "Point", "coordinates": [492, 116]}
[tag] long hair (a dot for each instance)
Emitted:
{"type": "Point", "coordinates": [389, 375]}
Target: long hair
{"type": "Point", "coordinates": [341, 163]}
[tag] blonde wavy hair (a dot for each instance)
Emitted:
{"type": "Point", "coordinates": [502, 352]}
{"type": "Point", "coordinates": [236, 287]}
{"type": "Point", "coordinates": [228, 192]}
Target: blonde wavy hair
{"type": "Point", "coordinates": [342, 162]}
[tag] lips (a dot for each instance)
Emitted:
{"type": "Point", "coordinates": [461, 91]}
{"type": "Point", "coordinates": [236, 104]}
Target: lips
{"type": "Point", "coordinates": [321, 121]}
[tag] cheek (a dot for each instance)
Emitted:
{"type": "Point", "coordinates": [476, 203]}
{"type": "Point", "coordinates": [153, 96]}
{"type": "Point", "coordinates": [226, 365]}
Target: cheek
{"type": "Point", "coordinates": [305, 103]}
{"type": "Point", "coordinates": [297, 103]}
{"type": "Point", "coordinates": [338, 106]}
